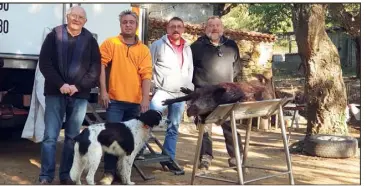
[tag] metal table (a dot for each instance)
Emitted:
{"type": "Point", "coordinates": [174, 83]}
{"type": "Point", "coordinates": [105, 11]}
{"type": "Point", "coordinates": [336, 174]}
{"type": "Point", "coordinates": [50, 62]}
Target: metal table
{"type": "Point", "coordinates": [245, 110]}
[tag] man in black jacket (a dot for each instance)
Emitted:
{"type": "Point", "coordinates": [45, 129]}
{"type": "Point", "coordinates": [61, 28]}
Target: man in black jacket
{"type": "Point", "coordinates": [70, 62]}
{"type": "Point", "coordinates": [215, 60]}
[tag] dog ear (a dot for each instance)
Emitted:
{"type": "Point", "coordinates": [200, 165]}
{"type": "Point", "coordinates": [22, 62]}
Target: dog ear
{"type": "Point", "coordinates": [151, 118]}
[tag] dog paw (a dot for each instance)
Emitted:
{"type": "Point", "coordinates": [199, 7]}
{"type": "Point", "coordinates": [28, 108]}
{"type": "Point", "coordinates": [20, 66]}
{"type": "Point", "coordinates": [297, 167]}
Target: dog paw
{"type": "Point", "coordinates": [130, 183]}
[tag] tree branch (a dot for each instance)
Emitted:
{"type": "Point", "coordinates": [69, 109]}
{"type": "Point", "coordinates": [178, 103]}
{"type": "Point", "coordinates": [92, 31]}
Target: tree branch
{"type": "Point", "coordinates": [228, 9]}
{"type": "Point", "coordinates": [346, 19]}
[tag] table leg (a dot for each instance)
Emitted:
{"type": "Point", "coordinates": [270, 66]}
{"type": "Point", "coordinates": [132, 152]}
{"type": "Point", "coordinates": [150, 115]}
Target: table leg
{"type": "Point", "coordinates": [246, 147]}
{"type": "Point", "coordinates": [285, 145]}
{"type": "Point", "coordinates": [201, 130]}
{"type": "Point", "coordinates": [236, 147]}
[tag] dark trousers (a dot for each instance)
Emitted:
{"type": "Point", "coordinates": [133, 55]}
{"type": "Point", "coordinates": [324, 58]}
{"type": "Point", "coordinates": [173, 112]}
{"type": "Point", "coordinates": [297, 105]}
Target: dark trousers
{"type": "Point", "coordinates": [206, 148]}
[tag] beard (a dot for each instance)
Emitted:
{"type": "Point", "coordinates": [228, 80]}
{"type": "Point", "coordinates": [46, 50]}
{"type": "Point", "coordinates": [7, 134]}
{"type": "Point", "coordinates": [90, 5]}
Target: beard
{"type": "Point", "coordinates": [214, 36]}
{"type": "Point", "coordinates": [175, 36]}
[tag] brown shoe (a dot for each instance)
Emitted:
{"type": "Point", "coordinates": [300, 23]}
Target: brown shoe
{"type": "Point", "coordinates": [44, 182]}
{"type": "Point", "coordinates": [232, 161]}
{"type": "Point", "coordinates": [205, 162]}
{"type": "Point", "coordinates": [107, 179]}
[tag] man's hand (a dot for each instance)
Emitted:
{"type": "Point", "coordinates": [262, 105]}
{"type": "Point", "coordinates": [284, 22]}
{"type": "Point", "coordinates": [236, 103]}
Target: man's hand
{"type": "Point", "coordinates": [65, 89]}
{"type": "Point", "coordinates": [104, 97]}
{"type": "Point", "coordinates": [144, 105]}
{"type": "Point", "coordinates": [73, 90]}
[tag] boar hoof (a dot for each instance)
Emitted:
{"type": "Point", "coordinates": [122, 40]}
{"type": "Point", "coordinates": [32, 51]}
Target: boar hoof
{"type": "Point", "coordinates": [186, 90]}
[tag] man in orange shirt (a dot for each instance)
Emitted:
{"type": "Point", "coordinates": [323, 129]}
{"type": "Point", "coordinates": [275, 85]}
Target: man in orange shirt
{"type": "Point", "coordinates": [129, 80]}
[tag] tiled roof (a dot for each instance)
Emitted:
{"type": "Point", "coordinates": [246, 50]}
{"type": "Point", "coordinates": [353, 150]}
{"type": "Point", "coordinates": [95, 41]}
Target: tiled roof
{"type": "Point", "coordinates": [196, 29]}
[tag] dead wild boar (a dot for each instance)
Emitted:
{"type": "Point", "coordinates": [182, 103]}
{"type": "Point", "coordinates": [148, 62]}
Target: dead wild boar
{"type": "Point", "coordinates": [204, 100]}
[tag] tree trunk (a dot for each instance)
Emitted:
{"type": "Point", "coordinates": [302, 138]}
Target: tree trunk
{"type": "Point", "coordinates": [324, 86]}
{"type": "Point", "coordinates": [358, 56]}
{"type": "Point", "coordinates": [221, 9]}
{"type": "Point", "coordinates": [218, 8]}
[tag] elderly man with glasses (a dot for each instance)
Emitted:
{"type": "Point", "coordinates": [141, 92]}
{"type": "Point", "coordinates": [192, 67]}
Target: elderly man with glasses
{"type": "Point", "coordinates": [215, 60]}
{"type": "Point", "coordinates": [70, 62]}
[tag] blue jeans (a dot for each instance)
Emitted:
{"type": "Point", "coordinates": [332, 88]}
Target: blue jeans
{"type": "Point", "coordinates": [118, 111]}
{"type": "Point", "coordinates": [175, 112]}
{"type": "Point", "coordinates": [56, 107]}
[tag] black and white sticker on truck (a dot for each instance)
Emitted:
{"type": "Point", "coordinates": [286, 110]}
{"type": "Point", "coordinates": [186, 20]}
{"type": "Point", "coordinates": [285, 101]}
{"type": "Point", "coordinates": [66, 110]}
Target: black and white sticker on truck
{"type": "Point", "coordinates": [24, 26]}
{"type": "Point", "coordinates": [4, 23]}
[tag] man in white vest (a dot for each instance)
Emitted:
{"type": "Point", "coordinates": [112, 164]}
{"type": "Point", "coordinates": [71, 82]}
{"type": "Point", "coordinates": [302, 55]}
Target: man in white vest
{"type": "Point", "coordinates": [172, 69]}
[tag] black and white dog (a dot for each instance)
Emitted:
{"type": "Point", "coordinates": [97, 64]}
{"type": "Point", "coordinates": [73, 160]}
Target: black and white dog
{"type": "Point", "coordinates": [123, 140]}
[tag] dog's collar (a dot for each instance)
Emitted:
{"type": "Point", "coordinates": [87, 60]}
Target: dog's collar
{"type": "Point", "coordinates": [145, 126]}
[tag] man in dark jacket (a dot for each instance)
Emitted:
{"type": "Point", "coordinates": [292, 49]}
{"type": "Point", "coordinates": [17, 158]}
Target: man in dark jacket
{"type": "Point", "coordinates": [215, 60]}
{"type": "Point", "coordinates": [70, 62]}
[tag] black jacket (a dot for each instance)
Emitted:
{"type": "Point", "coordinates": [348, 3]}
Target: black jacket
{"type": "Point", "coordinates": [72, 60]}
{"type": "Point", "coordinates": [214, 64]}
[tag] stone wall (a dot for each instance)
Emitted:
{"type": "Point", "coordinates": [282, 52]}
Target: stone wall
{"type": "Point", "coordinates": [256, 58]}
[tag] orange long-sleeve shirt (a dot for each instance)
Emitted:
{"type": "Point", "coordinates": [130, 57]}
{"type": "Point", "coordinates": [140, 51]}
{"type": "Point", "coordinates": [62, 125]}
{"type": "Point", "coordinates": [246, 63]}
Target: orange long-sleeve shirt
{"type": "Point", "coordinates": [130, 65]}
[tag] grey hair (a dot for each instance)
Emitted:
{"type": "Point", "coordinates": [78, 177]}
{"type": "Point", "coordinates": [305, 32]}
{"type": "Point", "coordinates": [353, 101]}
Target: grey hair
{"type": "Point", "coordinates": [214, 17]}
{"type": "Point", "coordinates": [73, 7]}
{"type": "Point", "coordinates": [129, 12]}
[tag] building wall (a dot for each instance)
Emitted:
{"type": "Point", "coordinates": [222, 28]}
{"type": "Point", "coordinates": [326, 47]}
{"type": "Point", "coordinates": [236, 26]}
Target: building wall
{"type": "Point", "coordinates": [346, 50]}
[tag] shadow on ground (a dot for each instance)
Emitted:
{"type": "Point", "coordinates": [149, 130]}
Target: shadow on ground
{"type": "Point", "coordinates": [20, 162]}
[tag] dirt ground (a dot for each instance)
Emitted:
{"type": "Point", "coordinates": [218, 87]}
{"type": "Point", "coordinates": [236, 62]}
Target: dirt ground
{"type": "Point", "coordinates": [20, 158]}
{"type": "Point", "coordinates": [20, 161]}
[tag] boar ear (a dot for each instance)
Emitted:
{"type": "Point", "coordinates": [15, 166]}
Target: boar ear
{"type": "Point", "coordinates": [218, 93]}
{"type": "Point", "coordinates": [261, 78]}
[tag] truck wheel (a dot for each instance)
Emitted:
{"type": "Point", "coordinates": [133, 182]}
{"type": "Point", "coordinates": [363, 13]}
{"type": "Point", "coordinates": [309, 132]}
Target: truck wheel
{"type": "Point", "coordinates": [331, 146]}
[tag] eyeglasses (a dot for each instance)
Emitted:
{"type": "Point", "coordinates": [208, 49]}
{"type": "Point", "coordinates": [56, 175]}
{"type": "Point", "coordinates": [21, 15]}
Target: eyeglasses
{"type": "Point", "coordinates": [77, 17]}
{"type": "Point", "coordinates": [131, 22]}
{"type": "Point", "coordinates": [179, 27]}
{"type": "Point", "coordinates": [219, 52]}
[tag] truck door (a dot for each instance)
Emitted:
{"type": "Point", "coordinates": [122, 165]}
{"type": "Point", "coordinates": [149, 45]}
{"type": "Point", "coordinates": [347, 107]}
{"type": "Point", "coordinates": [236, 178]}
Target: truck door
{"type": "Point", "coordinates": [23, 26]}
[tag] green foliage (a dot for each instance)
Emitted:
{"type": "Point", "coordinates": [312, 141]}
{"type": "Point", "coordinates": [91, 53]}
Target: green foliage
{"type": "Point", "coordinates": [260, 17]}
{"type": "Point", "coordinates": [272, 17]}
{"type": "Point", "coordinates": [282, 43]}
{"type": "Point", "coordinates": [238, 18]}
{"type": "Point", "coordinates": [353, 8]}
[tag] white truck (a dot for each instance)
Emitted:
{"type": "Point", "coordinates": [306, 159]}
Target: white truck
{"type": "Point", "coordinates": [22, 30]}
